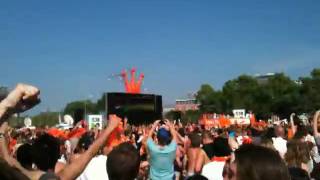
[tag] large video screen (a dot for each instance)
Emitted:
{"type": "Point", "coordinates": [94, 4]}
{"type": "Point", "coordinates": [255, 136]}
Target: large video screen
{"type": "Point", "coordinates": [138, 108]}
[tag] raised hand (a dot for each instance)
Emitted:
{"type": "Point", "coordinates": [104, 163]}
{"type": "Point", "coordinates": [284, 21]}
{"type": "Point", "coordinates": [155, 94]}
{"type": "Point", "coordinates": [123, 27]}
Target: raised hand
{"type": "Point", "coordinates": [113, 122]}
{"type": "Point", "coordinates": [156, 123]}
{"type": "Point", "coordinates": [168, 123]}
{"type": "Point", "coordinates": [22, 98]}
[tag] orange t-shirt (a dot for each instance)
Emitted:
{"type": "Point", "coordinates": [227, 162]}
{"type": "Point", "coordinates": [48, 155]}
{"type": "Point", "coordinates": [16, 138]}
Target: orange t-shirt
{"type": "Point", "coordinates": [290, 133]}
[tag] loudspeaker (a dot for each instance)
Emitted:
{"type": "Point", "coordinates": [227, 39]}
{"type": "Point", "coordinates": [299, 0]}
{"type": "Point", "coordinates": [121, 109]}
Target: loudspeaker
{"type": "Point", "coordinates": [137, 108]}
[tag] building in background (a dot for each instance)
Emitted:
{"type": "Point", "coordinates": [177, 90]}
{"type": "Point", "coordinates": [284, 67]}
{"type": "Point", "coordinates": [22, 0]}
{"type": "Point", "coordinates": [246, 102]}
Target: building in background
{"type": "Point", "coordinates": [184, 105]}
{"type": "Point", "coordinates": [168, 108]}
{"type": "Point", "coordinates": [264, 78]}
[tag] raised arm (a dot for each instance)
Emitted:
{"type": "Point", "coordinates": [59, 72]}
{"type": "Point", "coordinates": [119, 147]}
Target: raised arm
{"type": "Point", "coordinates": [4, 153]}
{"type": "Point", "coordinates": [18, 99]}
{"type": "Point", "coordinates": [73, 170]}
{"type": "Point", "coordinates": [172, 130]}
{"type": "Point", "coordinates": [153, 128]}
{"type": "Point", "coordinates": [293, 127]}
{"type": "Point", "coordinates": [315, 123]}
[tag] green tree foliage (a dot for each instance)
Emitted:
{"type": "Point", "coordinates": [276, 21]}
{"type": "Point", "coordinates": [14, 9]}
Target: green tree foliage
{"type": "Point", "coordinates": [210, 100]}
{"type": "Point", "coordinates": [45, 118]}
{"type": "Point", "coordinates": [16, 121]}
{"type": "Point", "coordinates": [240, 92]}
{"type": "Point", "coordinates": [310, 92]}
{"type": "Point", "coordinates": [85, 105]}
{"type": "Point", "coordinates": [279, 95]}
{"type": "Point", "coordinates": [101, 103]}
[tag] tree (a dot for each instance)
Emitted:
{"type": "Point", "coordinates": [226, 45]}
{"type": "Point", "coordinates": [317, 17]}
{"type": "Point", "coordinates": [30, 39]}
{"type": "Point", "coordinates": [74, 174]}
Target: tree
{"type": "Point", "coordinates": [84, 105]}
{"type": "Point", "coordinates": [310, 92]}
{"type": "Point", "coordinates": [45, 118]}
{"type": "Point", "coordinates": [284, 95]}
{"type": "Point", "coordinates": [280, 95]}
{"type": "Point", "coordinates": [240, 93]}
{"type": "Point", "coordinates": [101, 103]}
{"type": "Point", "coordinates": [210, 101]}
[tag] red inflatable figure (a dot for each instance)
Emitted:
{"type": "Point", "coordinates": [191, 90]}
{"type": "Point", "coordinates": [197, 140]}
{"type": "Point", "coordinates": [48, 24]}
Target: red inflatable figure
{"type": "Point", "coordinates": [132, 86]}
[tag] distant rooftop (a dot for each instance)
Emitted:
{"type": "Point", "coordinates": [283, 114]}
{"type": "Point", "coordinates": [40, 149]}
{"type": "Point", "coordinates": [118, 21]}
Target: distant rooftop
{"type": "Point", "coordinates": [263, 78]}
{"type": "Point", "coordinates": [264, 75]}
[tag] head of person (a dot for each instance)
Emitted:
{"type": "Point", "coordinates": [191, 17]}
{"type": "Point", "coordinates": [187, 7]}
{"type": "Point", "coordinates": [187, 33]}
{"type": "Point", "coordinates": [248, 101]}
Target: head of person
{"type": "Point", "coordinates": [297, 153]}
{"type": "Point", "coordinates": [207, 137]}
{"type": "Point", "coordinates": [24, 156]}
{"type": "Point", "coordinates": [269, 133]}
{"type": "Point", "coordinates": [221, 147]}
{"type": "Point", "coordinates": [84, 143]}
{"type": "Point", "coordinates": [268, 143]}
{"type": "Point", "coordinates": [298, 174]}
{"type": "Point", "coordinates": [197, 177]}
{"type": "Point", "coordinates": [195, 140]}
{"type": "Point", "coordinates": [301, 133]}
{"type": "Point", "coordinates": [123, 162]}
{"type": "Point", "coordinates": [279, 131]}
{"type": "Point", "coordinates": [46, 152]}
{"type": "Point", "coordinates": [256, 163]}
{"type": "Point", "coordinates": [163, 136]}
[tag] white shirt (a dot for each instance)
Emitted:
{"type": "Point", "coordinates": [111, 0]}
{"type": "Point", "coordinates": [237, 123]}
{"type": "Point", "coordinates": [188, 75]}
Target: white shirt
{"type": "Point", "coordinates": [213, 170]}
{"type": "Point", "coordinates": [96, 169]}
{"type": "Point", "coordinates": [280, 145]}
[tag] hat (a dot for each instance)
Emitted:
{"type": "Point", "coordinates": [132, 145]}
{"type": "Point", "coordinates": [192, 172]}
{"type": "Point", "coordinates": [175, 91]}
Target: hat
{"type": "Point", "coordinates": [163, 135]}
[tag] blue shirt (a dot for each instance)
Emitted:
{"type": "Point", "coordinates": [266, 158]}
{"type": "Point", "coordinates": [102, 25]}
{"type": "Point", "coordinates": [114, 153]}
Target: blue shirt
{"type": "Point", "coordinates": [161, 160]}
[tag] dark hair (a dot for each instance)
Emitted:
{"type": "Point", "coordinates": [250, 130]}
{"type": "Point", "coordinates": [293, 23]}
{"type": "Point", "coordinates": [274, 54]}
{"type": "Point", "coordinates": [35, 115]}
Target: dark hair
{"type": "Point", "coordinates": [181, 131]}
{"type": "Point", "coordinates": [84, 142]}
{"type": "Point", "coordinates": [302, 131]}
{"type": "Point", "coordinates": [268, 143]}
{"type": "Point", "coordinates": [207, 135]}
{"type": "Point", "coordinates": [221, 147]}
{"type": "Point", "coordinates": [24, 156]}
{"type": "Point", "coordinates": [197, 177]}
{"type": "Point", "coordinates": [46, 152]}
{"type": "Point", "coordinates": [259, 163]}
{"type": "Point", "coordinates": [297, 153]}
{"type": "Point", "coordinates": [270, 133]}
{"type": "Point", "coordinates": [123, 162]}
{"type": "Point", "coordinates": [195, 140]}
{"type": "Point", "coordinates": [298, 174]}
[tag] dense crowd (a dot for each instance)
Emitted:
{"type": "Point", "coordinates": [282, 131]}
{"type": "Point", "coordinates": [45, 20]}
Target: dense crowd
{"type": "Point", "coordinates": [164, 150]}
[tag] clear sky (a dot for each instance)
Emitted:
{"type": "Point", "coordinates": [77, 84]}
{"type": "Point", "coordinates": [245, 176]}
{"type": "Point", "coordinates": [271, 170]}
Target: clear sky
{"type": "Point", "coordinates": [69, 48]}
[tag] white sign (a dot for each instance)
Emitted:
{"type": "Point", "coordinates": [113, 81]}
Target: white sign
{"type": "Point", "coordinates": [239, 113]}
{"type": "Point", "coordinates": [95, 121]}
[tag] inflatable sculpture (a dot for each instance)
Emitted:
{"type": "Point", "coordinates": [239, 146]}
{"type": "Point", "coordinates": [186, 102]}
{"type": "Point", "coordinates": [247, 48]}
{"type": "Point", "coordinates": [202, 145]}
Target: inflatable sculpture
{"type": "Point", "coordinates": [132, 86]}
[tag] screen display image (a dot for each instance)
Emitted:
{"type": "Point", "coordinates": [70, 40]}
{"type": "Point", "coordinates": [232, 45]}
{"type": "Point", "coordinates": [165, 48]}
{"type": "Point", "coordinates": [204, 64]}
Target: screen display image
{"type": "Point", "coordinates": [137, 108]}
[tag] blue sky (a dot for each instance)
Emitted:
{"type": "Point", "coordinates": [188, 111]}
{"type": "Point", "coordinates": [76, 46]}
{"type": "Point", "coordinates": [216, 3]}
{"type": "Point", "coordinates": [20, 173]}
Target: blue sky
{"type": "Point", "coordinates": [70, 48]}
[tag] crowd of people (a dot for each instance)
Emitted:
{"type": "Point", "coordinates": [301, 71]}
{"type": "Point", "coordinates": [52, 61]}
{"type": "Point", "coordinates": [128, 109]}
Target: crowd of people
{"type": "Point", "coordinates": [164, 150]}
